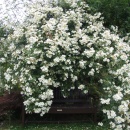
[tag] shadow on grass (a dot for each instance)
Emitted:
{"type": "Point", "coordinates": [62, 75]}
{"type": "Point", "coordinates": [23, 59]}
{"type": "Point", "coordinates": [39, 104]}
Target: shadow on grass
{"type": "Point", "coordinates": [79, 122]}
{"type": "Point", "coordinates": [15, 125]}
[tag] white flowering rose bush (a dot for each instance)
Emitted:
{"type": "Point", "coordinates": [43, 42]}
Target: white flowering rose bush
{"type": "Point", "coordinates": [63, 45]}
{"type": "Point", "coordinates": [4, 31]}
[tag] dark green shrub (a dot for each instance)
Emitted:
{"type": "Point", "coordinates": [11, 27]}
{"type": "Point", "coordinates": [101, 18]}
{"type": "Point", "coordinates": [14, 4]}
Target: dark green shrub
{"type": "Point", "coordinates": [115, 12]}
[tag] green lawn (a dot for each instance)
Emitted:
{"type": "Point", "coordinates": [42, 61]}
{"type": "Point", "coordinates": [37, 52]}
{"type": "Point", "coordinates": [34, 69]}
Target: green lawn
{"type": "Point", "coordinates": [69, 126]}
{"type": "Point", "coordinates": [14, 123]}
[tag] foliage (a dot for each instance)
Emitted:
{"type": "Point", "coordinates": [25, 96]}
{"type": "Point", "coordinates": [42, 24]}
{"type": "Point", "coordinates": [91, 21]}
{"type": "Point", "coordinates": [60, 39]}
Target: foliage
{"type": "Point", "coordinates": [115, 12]}
{"type": "Point", "coordinates": [66, 46]}
{"type": "Point", "coordinates": [3, 47]}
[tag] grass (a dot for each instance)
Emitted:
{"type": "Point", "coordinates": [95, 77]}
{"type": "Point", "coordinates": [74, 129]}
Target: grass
{"type": "Point", "coordinates": [69, 126]}
{"type": "Point", "coordinates": [14, 123]}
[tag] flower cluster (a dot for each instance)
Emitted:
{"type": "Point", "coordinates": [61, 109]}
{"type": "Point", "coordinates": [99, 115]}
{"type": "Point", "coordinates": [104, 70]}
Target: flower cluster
{"type": "Point", "coordinates": [67, 47]}
{"type": "Point", "coordinates": [116, 102]}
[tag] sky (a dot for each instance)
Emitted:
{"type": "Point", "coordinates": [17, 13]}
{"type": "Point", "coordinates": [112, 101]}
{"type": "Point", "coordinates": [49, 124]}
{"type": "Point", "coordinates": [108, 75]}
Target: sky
{"type": "Point", "coordinates": [12, 11]}
{"type": "Point", "coordinates": [2, 1]}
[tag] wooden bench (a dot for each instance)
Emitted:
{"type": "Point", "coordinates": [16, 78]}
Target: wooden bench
{"type": "Point", "coordinates": [76, 103]}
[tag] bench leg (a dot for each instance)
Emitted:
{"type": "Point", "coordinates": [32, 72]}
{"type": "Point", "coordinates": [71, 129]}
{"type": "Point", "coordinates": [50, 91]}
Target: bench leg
{"type": "Point", "coordinates": [23, 116]}
{"type": "Point", "coordinates": [95, 117]}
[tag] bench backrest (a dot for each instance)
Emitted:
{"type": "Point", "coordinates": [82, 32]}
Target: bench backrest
{"type": "Point", "coordinates": [75, 96]}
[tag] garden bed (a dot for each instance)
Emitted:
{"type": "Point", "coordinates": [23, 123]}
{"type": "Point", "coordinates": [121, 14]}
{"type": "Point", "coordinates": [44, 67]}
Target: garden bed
{"type": "Point", "coordinates": [10, 101]}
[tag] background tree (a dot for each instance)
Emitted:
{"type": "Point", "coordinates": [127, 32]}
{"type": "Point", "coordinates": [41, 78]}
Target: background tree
{"type": "Point", "coordinates": [115, 12]}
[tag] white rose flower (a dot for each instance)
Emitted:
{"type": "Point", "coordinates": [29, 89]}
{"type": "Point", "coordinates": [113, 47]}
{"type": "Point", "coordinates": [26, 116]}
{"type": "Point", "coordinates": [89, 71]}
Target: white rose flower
{"type": "Point", "coordinates": [2, 60]}
{"type": "Point", "coordinates": [100, 124]}
{"type": "Point", "coordinates": [118, 96]}
{"type": "Point", "coordinates": [103, 101]}
{"type": "Point", "coordinates": [81, 87]}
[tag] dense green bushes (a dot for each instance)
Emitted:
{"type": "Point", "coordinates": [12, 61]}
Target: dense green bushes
{"type": "Point", "coordinates": [115, 12]}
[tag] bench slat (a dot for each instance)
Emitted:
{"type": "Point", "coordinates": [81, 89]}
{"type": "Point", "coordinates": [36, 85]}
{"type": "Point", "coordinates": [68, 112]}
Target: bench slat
{"type": "Point", "coordinates": [72, 110]}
